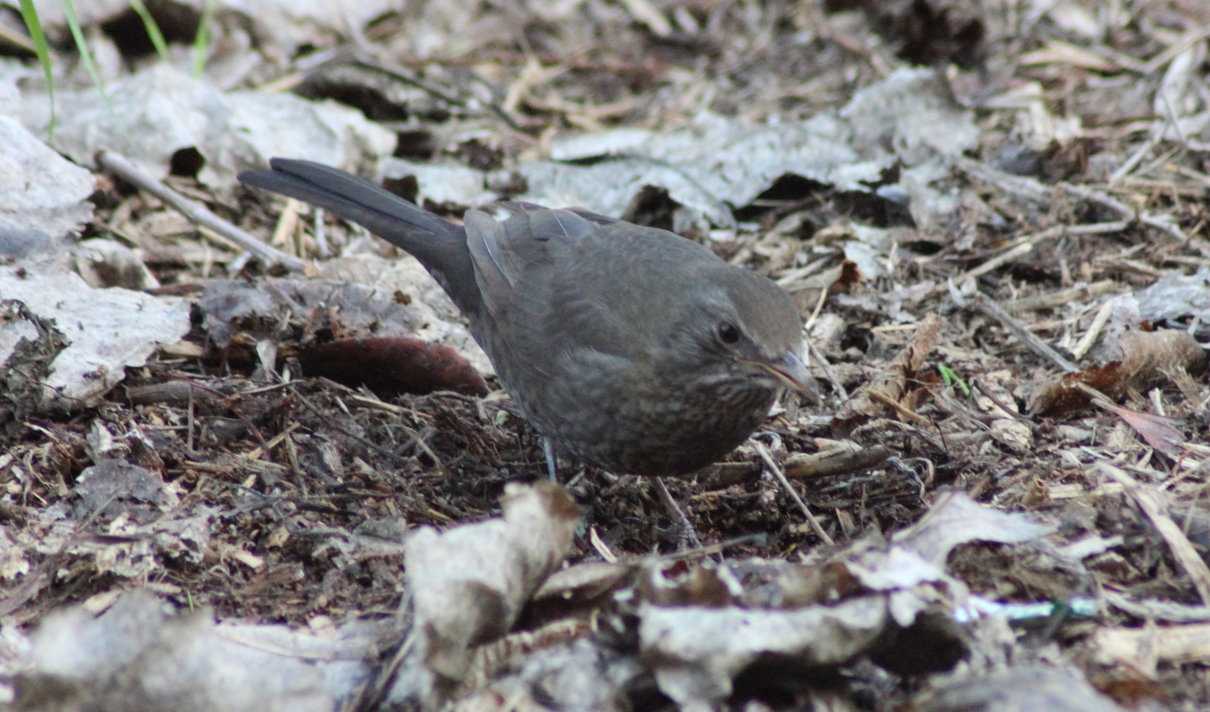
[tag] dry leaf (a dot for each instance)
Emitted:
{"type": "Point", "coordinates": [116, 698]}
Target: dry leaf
{"type": "Point", "coordinates": [1147, 358]}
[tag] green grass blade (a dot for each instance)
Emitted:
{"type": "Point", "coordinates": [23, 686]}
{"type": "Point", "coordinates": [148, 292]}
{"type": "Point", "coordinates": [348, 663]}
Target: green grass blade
{"type": "Point", "coordinates": [153, 30]}
{"type": "Point", "coordinates": [203, 38]}
{"type": "Point", "coordinates": [952, 379]}
{"type": "Point", "coordinates": [77, 34]}
{"type": "Point", "coordinates": [29, 14]}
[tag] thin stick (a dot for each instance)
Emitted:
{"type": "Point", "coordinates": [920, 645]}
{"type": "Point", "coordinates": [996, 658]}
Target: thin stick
{"type": "Point", "coordinates": [1094, 331]}
{"type": "Point", "coordinates": [677, 514]}
{"type": "Point", "coordinates": [121, 166]}
{"type": "Point", "coordinates": [815, 525]}
{"type": "Point", "coordinates": [1155, 509]}
{"type": "Point", "coordinates": [996, 262]}
{"type": "Point", "coordinates": [1031, 342]}
{"type": "Point", "coordinates": [845, 459]}
{"type": "Point", "coordinates": [1050, 300]}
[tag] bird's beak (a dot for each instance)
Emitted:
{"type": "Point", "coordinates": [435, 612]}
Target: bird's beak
{"type": "Point", "coordinates": [791, 371]}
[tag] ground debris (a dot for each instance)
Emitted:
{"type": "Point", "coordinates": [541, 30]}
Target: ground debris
{"type": "Point", "coordinates": [1001, 260]}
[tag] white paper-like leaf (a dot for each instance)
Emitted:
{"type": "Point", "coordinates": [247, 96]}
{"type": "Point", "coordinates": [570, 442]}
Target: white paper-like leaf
{"type": "Point", "coordinates": [107, 329]}
{"type": "Point", "coordinates": [957, 519]}
{"type": "Point", "coordinates": [163, 110]}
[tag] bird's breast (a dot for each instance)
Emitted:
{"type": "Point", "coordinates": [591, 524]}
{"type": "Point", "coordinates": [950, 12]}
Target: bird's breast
{"type": "Point", "coordinates": [633, 423]}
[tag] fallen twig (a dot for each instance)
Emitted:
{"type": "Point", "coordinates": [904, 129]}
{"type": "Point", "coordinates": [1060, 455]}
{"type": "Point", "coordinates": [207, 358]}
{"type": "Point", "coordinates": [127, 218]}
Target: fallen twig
{"type": "Point", "coordinates": [1182, 550]}
{"type": "Point", "coordinates": [846, 458]}
{"type": "Point", "coordinates": [121, 166]}
{"type": "Point", "coordinates": [1033, 343]}
{"type": "Point", "coordinates": [781, 478]}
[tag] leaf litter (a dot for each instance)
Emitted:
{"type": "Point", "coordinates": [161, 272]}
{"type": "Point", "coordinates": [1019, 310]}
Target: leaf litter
{"type": "Point", "coordinates": [1001, 262]}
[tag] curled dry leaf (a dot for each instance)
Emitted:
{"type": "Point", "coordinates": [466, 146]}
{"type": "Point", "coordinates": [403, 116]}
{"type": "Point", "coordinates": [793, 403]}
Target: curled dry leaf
{"type": "Point", "coordinates": [807, 291]}
{"type": "Point", "coordinates": [697, 652]}
{"type": "Point", "coordinates": [469, 584]}
{"type": "Point", "coordinates": [610, 172]}
{"type": "Point", "coordinates": [957, 519]}
{"type": "Point", "coordinates": [1175, 297]}
{"type": "Point", "coordinates": [583, 583]}
{"type": "Point", "coordinates": [139, 655]}
{"type": "Point", "coordinates": [699, 628]}
{"type": "Point", "coordinates": [1147, 358]}
{"type": "Point", "coordinates": [391, 366]}
{"type": "Point", "coordinates": [891, 391]}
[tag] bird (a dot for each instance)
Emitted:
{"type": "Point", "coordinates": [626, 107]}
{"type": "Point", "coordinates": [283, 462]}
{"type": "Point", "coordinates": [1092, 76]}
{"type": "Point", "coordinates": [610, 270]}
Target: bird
{"type": "Point", "coordinates": [627, 347]}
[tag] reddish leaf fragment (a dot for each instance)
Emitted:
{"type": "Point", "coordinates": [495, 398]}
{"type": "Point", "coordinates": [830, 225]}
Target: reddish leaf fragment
{"type": "Point", "coordinates": [1147, 359]}
{"type": "Point", "coordinates": [390, 366]}
{"type": "Point", "coordinates": [1159, 432]}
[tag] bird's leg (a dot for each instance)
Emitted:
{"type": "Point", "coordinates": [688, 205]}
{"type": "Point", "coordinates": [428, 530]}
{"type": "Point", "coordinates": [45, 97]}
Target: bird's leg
{"type": "Point", "coordinates": [548, 449]}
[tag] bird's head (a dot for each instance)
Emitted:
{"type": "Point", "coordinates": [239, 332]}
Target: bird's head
{"type": "Point", "coordinates": [741, 330]}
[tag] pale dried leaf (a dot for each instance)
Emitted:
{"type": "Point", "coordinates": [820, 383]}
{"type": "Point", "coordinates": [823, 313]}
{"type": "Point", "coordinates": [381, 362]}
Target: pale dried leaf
{"type": "Point", "coordinates": [108, 330]}
{"type": "Point", "coordinates": [697, 652]}
{"type": "Point", "coordinates": [957, 519]}
{"type": "Point", "coordinates": [468, 584]}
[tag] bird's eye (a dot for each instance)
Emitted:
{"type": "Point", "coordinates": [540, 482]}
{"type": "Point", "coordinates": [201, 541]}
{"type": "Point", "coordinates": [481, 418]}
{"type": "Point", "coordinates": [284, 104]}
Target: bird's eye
{"type": "Point", "coordinates": [728, 333]}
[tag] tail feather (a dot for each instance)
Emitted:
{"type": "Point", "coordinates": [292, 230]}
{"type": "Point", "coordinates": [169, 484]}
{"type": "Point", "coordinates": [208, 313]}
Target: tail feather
{"type": "Point", "coordinates": [438, 244]}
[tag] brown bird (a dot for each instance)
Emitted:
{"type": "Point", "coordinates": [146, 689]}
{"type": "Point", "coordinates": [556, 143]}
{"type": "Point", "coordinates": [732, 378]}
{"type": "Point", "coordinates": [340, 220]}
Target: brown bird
{"type": "Point", "coordinates": [627, 347]}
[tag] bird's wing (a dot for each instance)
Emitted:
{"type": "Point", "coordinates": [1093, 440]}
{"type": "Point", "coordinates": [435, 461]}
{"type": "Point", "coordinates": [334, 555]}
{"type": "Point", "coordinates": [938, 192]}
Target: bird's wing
{"type": "Point", "coordinates": [549, 280]}
{"type": "Point", "coordinates": [530, 239]}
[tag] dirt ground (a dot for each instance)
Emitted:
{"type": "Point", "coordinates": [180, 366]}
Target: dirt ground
{"type": "Point", "coordinates": [935, 369]}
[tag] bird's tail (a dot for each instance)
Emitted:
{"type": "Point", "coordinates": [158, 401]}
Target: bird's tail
{"type": "Point", "coordinates": [438, 244]}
